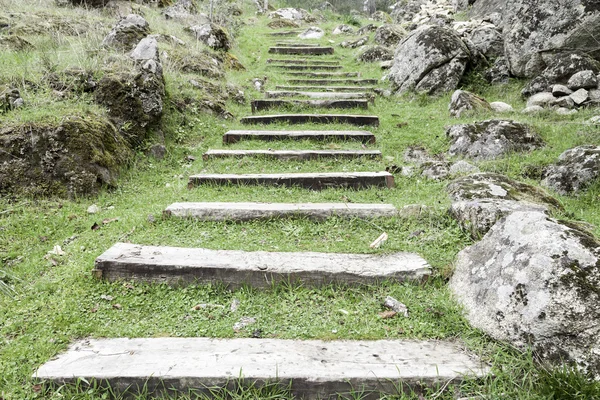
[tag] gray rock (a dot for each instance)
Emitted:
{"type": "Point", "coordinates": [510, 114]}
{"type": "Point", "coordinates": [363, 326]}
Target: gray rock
{"type": "Point", "coordinates": [575, 170]}
{"type": "Point", "coordinates": [432, 59]}
{"type": "Point", "coordinates": [157, 151]}
{"type": "Point", "coordinates": [491, 139]}
{"type": "Point", "coordinates": [437, 170]}
{"type": "Point", "coordinates": [212, 35]}
{"type": "Point", "coordinates": [294, 14]}
{"type": "Point", "coordinates": [563, 102]}
{"type": "Point", "coordinates": [314, 32]}
{"type": "Point", "coordinates": [466, 102]}
{"type": "Point", "coordinates": [583, 80]}
{"type": "Point", "coordinates": [487, 41]}
{"type": "Point", "coordinates": [418, 156]}
{"type": "Point", "coordinates": [182, 10]}
{"type": "Point", "coordinates": [463, 167]}
{"type": "Point", "coordinates": [565, 111]}
{"type": "Point", "coordinates": [381, 16]}
{"type": "Point", "coordinates": [501, 107]}
{"type": "Point", "coordinates": [10, 98]}
{"type": "Point", "coordinates": [532, 281]}
{"type": "Point", "coordinates": [486, 185]}
{"type": "Point", "coordinates": [389, 35]}
{"type": "Point", "coordinates": [352, 44]}
{"type": "Point", "coordinates": [580, 96]}
{"type": "Point", "coordinates": [536, 85]}
{"type": "Point", "coordinates": [562, 66]}
{"type": "Point", "coordinates": [499, 73]}
{"type": "Point", "coordinates": [405, 11]}
{"type": "Point", "coordinates": [375, 53]}
{"type": "Point", "coordinates": [127, 32]}
{"type": "Point", "coordinates": [560, 91]}
{"type": "Point", "coordinates": [542, 99]}
{"type": "Point", "coordinates": [594, 96]}
{"type": "Point", "coordinates": [595, 120]}
{"type": "Point", "coordinates": [533, 110]}
{"type": "Point", "coordinates": [365, 30]}
{"type": "Point", "coordinates": [147, 49]}
{"type": "Point", "coordinates": [343, 29]}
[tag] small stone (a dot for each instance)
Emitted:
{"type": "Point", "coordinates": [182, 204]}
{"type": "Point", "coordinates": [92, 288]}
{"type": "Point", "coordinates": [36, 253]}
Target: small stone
{"type": "Point", "coordinates": [563, 102]}
{"type": "Point", "coordinates": [314, 32]}
{"type": "Point", "coordinates": [561, 90]}
{"type": "Point", "coordinates": [540, 99]}
{"type": "Point", "coordinates": [395, 305]}
{"type": "Point", "coordinates": [595, 120]}
{"type": "Point", "coordinates": [235, 304]}
{"type": "Point", "coordinates": [533, 110]}
{"type": "Point", "coordinates": [93, 209]}
{"type": "Point", "coordinates": [580, 96]}
{"type": "Point", "coordinates": [242, 323]}
{"type": "Point", "coordinates": [151, 218]}
{"type": "Point", "coordinates": [107, 297]}
{"type": "Point", "coordinates": [501, 107]}
{"type": "Point", "coordinates": [157, 151]}
{"type": "Point", "coordinates": [583, 80]}
{"type": "Point", "coordinates": [565, 111]}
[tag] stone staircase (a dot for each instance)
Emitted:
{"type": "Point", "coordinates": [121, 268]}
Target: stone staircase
{"type": "Point", "coordinates": [314, 369]}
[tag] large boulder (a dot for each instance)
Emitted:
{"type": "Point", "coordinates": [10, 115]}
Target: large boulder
{"type": "Point", "coordinates": [212, 35]}
{"type": "Point", "coordinates": [127, 32]}
{"type": "Point", "coordinates": [73, 157]}
{"type": "Point", "coordinates": [491, 139]}
{"type": "Point", "coordinates": [294, 14]}
{"type": "Point", "coordinates": [575, 170]}
{"type": "Point", "coordinates": [488, 41]}
{"type": "Point", "coordinates": [389, 35]}
{"type": "Point", "coordinates": [533, 281]}
{"type": "Point", "coordinates": [537, 29]}
{"type": "Point", "coordinates": [405, 11]}
{"type": "Point", "coordinates": [432, 59]}
{"type": "Point", "coordinates": [375, 53]}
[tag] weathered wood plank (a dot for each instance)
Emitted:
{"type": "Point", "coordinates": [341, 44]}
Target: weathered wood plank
{"type": "Point", "coordinates": [313, 369]}
{"type": "Point", "coordinates": [327, 88]}
{"type": "Point", "coordinates": [301, 61]}
{"type": "Point", "coordinates": [333, 81]}
{"type": "Point", "coordinates": [260, 269]}
{"type": "Point", "coordinates": [253, 211]}
{"type": "Point", "coordinates": [294, 155]}
{"type": "Point", "coordinates": [314, 181]}
{"type": "Point", "coordinates": [292, 67]}
{"type": "Point", "coordinates": [313, 51]}
{"type": "Point", "coordinates": [266, 104]}
{"type": "Point", "coordinates": [320, 95]}
{"type": "Point", "coordinates": [359, 120]}
{"type": "Point", "coordinates": [235, 136]}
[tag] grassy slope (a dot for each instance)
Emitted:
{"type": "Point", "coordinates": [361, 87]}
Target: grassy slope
{"type": "Point", "coordinates": [58, 301]}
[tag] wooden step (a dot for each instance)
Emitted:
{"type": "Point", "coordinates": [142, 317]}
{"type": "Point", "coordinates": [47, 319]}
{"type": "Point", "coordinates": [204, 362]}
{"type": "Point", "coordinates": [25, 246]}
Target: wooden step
{"type": "Point", "coordinates": [313, 369]}
{"type": "Point", "coordinates": [313, 51]}
{"type": "Point", "coordinates": [285, 33]}
{"type": "Point", "coordinates": [359, 120]}
{"type": "Point", "coordinates": [235, 136]}
{"type": "Point", "coordinates": [320, 95]}
{"type": "Point", "coordinates": [252, 211]}
{"type": "Point", "coordinates": [327, 88]}
{"type": "Point", "coordinates": [260, 269]}
{"type": "Point", "coordinates": [314, 181]}
{"type": "Point", "coordinates": [302, 61]}
{"type": "Point", "coordinates": [333, 81]}
{"type": "Point", "coordinates": [324, 74]}
{"type": "Point", "coordinates": [292, 67]}
{"type": "Point", "coordinates": [296, 44]}
{"type": "Point", "coordinates": [294, 155]}
{"type": "Point", "coordinates": [266, 104]}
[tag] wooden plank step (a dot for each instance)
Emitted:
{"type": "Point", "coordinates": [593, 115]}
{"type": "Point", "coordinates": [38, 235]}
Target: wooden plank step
{"type": "Point", "coordinates": [313, 369]}
{"type": "Point", "coordinates": [235, 136]}
{"type": "Point", "coordinates": [359, 120]}
{"type": "Point", "coordinates": [319, 95]}
{"type": "Point", "coordinates": [285, 33]}
{"type": "Point", "coordinates": [296, 44]}
{"type": "Point", "coordinates": [292, 67]}
{"type": "Point", "coordinates": [301, 61]}
{"type": "Point", "coordinates": [308, 180]}
{"type": "Point", "coordinates": [252, 211]}
{"type": "Point", "coordinates": [327, 88]}
{"type": "Point", "coordinates": [324, 74]}
{"type": "Point", "coordinates": [260, 269]}
{"type": "Point", "coordinates": [333, 81]}
{"type": "Point", "coordinates": [266, 104]}
{"type": "Point", "coordinates": [294, 155]}
{"type": "Point", "coordinates": [313, 51]}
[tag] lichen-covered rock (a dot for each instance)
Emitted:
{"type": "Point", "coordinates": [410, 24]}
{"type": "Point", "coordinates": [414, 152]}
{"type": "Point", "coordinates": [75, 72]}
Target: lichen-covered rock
{"type": "Point", "coordinates": [575, 170]}
{"type": "Point", "coordinates": [127, 33]}
{"type": "Point", "coordinates": [375, 53]}
{"type": "Point", "coordinates": [182, 10]}
{"type": "Point", "coordinates": [365, 30]}
{"type": "Point", "coordinates": [487, 41]}
{"type": "Point", "coordinates": [352, 44]}
{"type": "Point", "coordinates": [146, 49]}
{"type": "Point", "coordinates": [202, 63]}
{"type": "Point", "coordinates": [491, 139]}
{"type": "Point", "coordinates": [432, 60]}
{"type": "Point", "coordinates": [501, 107]}
{"type": "Point", "coordinates": [436, 170]}
{"type": "Point", "coordinates": [10, 98]}
{"type": "Point", "coordinates": [279, 23]}
{"type": "Point", "coordinates": [405, 11]}
{"type": "Point", "coordinates": [533, 281]}
{"type": "Point", "coordinates": [583, 80]}
{"type": "Point", "coordinates": [463, 101]}
{"type": "Point", "coordinates": [75, 156]}
{"type": "Point", "coordinates": [562, 66]}
{"type": "Point", "coordinates": [389, 35]}
{"type": "Point", "coordinates": [212, 35]}
{"type": "Point", "coordinates": [71, 80]}
{"type": "Point", "coordinates": [90, 3]}
{"type": "Point", "coordinates": [343, 29]}
{"type": "Point", "coordinates": [294, 14]}
{"type": "Point", "coordinates": [314, 32]}
{"type": "Point", "coordinates": [498, 73]}
{"type": "Point", "coordinates": [538, 84]}
{"type": "Point", "coordinates": [462, 167]}
{"type": "Point", "coordinates": [382, 16]}
{"type": "Point", "coordinates": [542, 99]}
{"type": "Point", "coordinates": [531, 110]}
{"type": "Point", "coordinates": [580, 96]}
{"type": "Point", "coordinates": [560, 91]}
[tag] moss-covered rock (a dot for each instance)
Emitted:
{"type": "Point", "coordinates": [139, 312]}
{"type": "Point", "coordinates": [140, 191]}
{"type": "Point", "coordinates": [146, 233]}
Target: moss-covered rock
{"type": "Point", "coordinates": [75, 156]}
{"type": "Point", "coordinates": [127, 32]}
{"type": "Point", "coordinates": [212, 35]}
{"type": "Point", "coordinates": [202, 63]}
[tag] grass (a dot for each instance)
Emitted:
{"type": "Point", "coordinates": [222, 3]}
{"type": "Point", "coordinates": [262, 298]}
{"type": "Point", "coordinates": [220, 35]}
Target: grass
{"type": "Point", "coordinates": [56, 301]}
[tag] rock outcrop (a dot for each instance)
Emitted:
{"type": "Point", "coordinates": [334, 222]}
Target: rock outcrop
{"type": "Point", "coordinates": [212, 35]}
{"type": "Point", "coordinates": [127, 32]}
{"type": "Point", "coordinates": [375, 53]}
{"type": "Point", "coordinates": [389, 35]}
{"type": "Point", "coordinates": [432, 59]}
{"type": "Point", "coordinates": [576, 169]}
{"type": "Point", "coordinates": [533, 281]}
{"type": "Point", "coordinates": [463, 102]}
